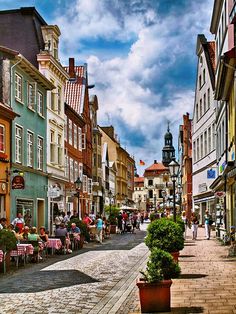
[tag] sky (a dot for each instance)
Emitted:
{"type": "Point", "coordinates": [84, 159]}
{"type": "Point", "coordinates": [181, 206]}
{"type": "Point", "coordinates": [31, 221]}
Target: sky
{"type": "Point", "coordinates": [141, 56]}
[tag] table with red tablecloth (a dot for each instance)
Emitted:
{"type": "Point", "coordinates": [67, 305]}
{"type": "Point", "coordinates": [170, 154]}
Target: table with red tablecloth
{"type": "Point", "coordinates": [1, 256]}
{"type": "Point", "coordinates": [54, 244]}
{"type": "Point", "coordinates": [23, 250]}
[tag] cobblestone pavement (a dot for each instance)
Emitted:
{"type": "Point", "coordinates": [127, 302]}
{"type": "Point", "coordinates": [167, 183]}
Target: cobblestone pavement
{"type": "Point", "coordinates": [101, 279]}
{"type": "Point", "coordinates": [95, 280]}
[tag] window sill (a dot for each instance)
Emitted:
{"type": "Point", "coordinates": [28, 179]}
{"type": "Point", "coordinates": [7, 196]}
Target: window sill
{"type": "Point", "coordinates": [31, 108]}
{"type": "Point", "coordinates": [41, 116]}
{"type": "Point", "coordinates": [19, 101]}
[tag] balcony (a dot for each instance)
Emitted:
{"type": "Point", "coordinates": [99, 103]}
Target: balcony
{"type": "Point", "coordinates": [232, 16]}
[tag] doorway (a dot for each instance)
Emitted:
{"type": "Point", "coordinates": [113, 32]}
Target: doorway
{"type": "Point", "coordinates": [41, 214]}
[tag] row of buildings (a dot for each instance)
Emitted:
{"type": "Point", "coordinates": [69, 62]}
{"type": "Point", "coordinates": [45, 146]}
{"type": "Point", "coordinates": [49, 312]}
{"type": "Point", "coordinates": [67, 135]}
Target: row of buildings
{"type": "Point", "coordinates": [53, 154]}
{"type": "Point", "coordinates": [206, 142]}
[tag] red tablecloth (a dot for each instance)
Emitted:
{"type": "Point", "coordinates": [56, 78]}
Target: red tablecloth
{"type": "Point", "coordinates": [1, 256]}
{"type": "Point", "coordinates": [54, 243]}
{"type": "Point", "coordinates": [23, 249]}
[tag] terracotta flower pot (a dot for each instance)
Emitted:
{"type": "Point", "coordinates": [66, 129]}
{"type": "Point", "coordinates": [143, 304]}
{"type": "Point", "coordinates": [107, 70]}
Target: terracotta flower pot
{"type": "Point", "coordinates": [113, 229]}
{"type": "Point", "coordinates": [175, 256]}
{"type": "Point", "coordinates": [154, 297]}
{"type": "Point", "coordinates": [81, 241]}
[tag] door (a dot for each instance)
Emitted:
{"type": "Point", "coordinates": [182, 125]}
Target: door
{"type": "Point", "coordinates": [41, 213]}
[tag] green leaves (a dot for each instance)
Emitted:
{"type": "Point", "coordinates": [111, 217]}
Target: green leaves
{"type": "Point", "coordinates": [7, 240]}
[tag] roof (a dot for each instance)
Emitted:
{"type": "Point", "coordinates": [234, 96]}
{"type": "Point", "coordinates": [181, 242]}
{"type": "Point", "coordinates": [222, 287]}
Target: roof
{"type": "Point", "coordinates": [75, 89]}
{"type": "Point", "coordinates": [138, 179]}
{"type": "Point", "coordinates": [156, 166]}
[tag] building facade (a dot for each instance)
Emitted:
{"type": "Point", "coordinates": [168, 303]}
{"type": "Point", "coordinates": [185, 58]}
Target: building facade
{"type": "Point", "coordinates": [203, 130]}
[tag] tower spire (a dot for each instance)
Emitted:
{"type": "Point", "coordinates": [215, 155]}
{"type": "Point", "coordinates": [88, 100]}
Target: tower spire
{"type": "Point", "coordinates": [168, 151]}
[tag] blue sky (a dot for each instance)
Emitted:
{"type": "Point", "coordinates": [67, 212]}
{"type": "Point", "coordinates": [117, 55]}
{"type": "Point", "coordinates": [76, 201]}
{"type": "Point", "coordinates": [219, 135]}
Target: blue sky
{"type": "Point", "coordinates": [141, 58]}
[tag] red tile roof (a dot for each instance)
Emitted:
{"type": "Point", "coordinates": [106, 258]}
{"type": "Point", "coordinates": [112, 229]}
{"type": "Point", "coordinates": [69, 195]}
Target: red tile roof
{"type": "Point", "coordinates": [156, 166]}
{"type": "Point", "coordinates": [211, 49]}
{"type": "Point", "coordinates": [138, 179]}
{"type": "Point", "coordinates": [75, 89]}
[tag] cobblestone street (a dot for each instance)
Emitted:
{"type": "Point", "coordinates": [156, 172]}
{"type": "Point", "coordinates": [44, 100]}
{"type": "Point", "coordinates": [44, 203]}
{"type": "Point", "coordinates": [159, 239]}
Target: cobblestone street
{"type": "Point", "coordinates": [101, 279]}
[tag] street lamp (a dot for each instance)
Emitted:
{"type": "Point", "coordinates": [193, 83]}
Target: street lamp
{"type": "Point", "coordinates": [174, 171]}
{"type": "Point", "coordinates": [78, 185]}
{"type": "Point", "coordinates": [110, 196]}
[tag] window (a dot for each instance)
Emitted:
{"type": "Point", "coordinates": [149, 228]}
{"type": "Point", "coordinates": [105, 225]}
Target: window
{"type": "Point", "coordinates": [81, 171]}
{"type": "Point", "coordinates": [59, 149]}
{"type": "Point", "coordinates": [83, 141]}
{"type": "Point", "coordinates": [65, 129]}
{"type": "Point", "coordinates": [204, 103]}
{"type": "Point", "coordinates": [75, 136]}
{"type": "Point", "coordinates": [197, 112]}
{"type": "Point", "coordinates": [52, 147]}
{"type": "Point", "coordinates": [204, 76]}
{"type": "Point", "coordinates": [55, 49]}
{"type": "Point", "coordinates": [59, 101]}
{"type": "Point", "coordinates": [208, 98]}
{"type": "Point", "coordinates": [85, 184]}
{"type": "Point", "coordinates": [31, 95]}
{"type": "Point", "coordinates": [72, 170]}
{"type": "Point", "coordinates": [53, 101]}
{"type": "Point", "coordinates": [213, 136]}
{"type": "Point", "coordinates": [200, 82]}
{"type": "Point", "coordinates": [40, 104]}
{"type": "Point", "coordinates": [18, 144]}
{"type": "Point", "coordinates": [198, 151]}
{"type": "Point", "coordinates": [76, 169]}
{"type": "Point", "coordinates": [66, 165]}
{"type": "Point", "coordinates": [80, 138]}
{"type": "Point", "coordinates": [209, 139]}
{"type": "Point", "coordinates": [150, 182]}
{"type": "Point", "coordinates": [94, 160]}
{"type": "Point", "coordinates": [70, 132]}
{"type": "Point", "coordinates": [40, 153]}
{"type": "Point", "coordinates": [201, 146]}
{"type": "Point", "coordinates": [2, 138]}
{"type": "Point", "coordinates": [18, 87]}
{"type": "Point", "coordinates": [205, 143]}
{"type": "Point", "coordinates": [194, 152]}
{"type": "Point", "coordinates": [30, 145]}
{"type": "Point", "coordinates": [200, 113]}
{"type": "Point", "coordinates": [89, 186]}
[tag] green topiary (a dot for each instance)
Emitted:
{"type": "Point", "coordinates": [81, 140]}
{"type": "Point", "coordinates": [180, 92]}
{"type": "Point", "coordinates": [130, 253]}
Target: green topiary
{"type": "Point", "coordinates": [7, 240]}
{"type": "Point", "coordinates": [165, 234]}
{"type": "Point", "coordinates": [179, 221]}
{"type": "Point", "coordinates": [160, 266]}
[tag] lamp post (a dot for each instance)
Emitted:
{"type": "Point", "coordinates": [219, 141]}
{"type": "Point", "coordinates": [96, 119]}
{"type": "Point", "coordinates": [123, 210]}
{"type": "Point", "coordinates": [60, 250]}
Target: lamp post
{"type": "Point", "coordinates": [174, 170]}
{"type": "Point", "coordinates": [78, 185]}
{"type": "Point", "coordinates": [110, 198]}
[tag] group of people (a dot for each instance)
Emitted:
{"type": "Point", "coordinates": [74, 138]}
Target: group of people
{"type": "Point", "coordinates": [128, 222]}
{"type": "Point", "coordinates": [193, 223]}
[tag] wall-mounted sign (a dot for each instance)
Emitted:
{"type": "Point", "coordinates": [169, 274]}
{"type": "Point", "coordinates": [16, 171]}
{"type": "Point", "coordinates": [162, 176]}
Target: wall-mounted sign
{"type": "Point", "coordinates": [18, 183]}
{"type": "Point", "coordinates": [202, 188]}
{"type": "Point", "coordinates": [220, 194]}
{"type": "Point", "coordinates": [211, 174]}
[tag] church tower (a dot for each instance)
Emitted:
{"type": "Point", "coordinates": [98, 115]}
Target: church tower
{"type": "Point", "coordinates": [168, 151]}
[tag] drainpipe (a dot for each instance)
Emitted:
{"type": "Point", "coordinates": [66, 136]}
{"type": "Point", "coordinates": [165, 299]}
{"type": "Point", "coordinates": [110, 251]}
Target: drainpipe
{"type": "Point", "coordinates": [226, 160]}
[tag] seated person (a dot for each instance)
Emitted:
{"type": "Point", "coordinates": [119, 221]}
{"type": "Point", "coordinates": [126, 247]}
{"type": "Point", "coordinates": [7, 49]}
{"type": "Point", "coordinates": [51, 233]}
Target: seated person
{"type": "Point", "coordinates": [43, 235]}
{"type": "Point", "coordinates": [11, 228]}
{"type": "Point", "coordinates": [25, 233]}
{"type": "Point", "coordinates": [33, 235]}
{"type": "Point", "coordinates": [62, 232]}
{"type": "Point", "coordinates": [75, 231]}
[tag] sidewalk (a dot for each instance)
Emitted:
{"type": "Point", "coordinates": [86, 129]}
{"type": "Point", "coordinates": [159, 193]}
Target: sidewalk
{"type": "Point", "coordinates": [207, 283]}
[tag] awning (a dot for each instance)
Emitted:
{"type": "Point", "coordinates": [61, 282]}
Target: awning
{"type": "Point", "coordinates": [204, 199]}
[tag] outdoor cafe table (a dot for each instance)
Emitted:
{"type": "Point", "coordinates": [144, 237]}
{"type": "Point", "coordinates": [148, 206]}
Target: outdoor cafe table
{"type": "Point", "coordinates": [54, 244]}
{"type": "Point", "coordinates": [23, 249]}
{"type": "Point", "coordinates": [1, 256]}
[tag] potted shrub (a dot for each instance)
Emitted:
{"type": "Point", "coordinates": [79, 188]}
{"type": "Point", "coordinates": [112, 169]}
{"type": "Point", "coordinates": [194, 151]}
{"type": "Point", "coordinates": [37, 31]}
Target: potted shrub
{"type": "Point", "coordinates": [7, 243]}
{"type": "Point", "coordinates": [154, 287]}
{"type": "Point", "coordinates": [113, 223]}
{"type": "Point", "coordinates": [166, 235]}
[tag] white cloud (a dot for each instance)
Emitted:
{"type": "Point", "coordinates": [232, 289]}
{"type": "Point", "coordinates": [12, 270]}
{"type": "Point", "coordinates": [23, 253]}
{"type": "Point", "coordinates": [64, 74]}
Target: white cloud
{"type": "Point", "coordinates": [125, 85]}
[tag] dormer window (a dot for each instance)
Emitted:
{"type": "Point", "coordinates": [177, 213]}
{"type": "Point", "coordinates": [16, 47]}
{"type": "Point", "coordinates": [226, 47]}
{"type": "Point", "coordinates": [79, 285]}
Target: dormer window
{"type": "Point", "coordinates": [55, 49]}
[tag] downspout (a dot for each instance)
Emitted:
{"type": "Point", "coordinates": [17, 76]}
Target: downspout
{"type": "Point", "coordinates": [226, 160]}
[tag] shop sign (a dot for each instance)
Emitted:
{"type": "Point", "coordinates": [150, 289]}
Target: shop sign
{"type": "Point", "coordinates": [219, 194]}
{"type": "Point", "coordinates": [202, 187]}
{"type": "Point", "coordinates": [18, 183]}
{"type": "Point", "coordinates": [211, 174]}
{"type": "Point", "coordinates": [53, 192]}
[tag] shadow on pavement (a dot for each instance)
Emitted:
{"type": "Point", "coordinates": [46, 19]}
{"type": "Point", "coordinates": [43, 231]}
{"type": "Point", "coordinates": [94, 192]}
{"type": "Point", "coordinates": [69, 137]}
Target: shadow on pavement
{"type": "Point", "coordinates": [187, 256]}
{"type": "Point", "coordinates": [46, 280]}
{"type": "Point", "coordinates": [186, 310]}
{"type": "Point", "coordinates": [192, 276]}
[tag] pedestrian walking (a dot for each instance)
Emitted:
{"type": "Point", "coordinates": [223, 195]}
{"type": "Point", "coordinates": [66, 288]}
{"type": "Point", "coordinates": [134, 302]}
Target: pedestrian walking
{"type": "Point", "coordinates": [194, 225]}
{"type": "Point", "coordinates": [99, 225]}
{"type": "Point", "coordinates": [208, 222]}
{"type": "Point", "coordinates": [185, 221]}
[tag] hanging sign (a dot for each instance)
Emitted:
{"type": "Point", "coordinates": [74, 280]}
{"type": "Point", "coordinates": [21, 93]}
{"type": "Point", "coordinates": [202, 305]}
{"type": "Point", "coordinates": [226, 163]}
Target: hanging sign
{"type": "Point", "coordinates": [18, 183]}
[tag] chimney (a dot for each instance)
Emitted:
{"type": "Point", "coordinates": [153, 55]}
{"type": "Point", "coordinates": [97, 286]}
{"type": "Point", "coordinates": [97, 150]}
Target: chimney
{"type": "Point", "coordinates": [72, 67]}
{"type": "Point", "coordinates": [155, 162]}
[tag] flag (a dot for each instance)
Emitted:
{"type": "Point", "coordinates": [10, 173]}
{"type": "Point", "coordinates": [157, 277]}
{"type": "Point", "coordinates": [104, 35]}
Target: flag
{"type": "Point", "coordinates": [141, 162]}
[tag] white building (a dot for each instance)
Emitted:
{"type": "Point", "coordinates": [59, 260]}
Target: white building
{"type": "Point", "coordinates": [203, 128]}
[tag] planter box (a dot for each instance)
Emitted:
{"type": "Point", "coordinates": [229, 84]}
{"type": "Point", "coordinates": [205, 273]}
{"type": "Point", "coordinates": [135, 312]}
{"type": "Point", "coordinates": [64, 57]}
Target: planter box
{"type": "Point", "coordinates": [154, 297]}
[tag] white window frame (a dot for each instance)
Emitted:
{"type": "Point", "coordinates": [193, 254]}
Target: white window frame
{"type": "Point", "coordinates": [59, 99]}
{"type": "Point", "coordinates": [83, 141]}
{"type": "Point", "coordinates": [30, 148]}
{"type": "Point", "coordinates": [31, 95]}
{"type": "Point", "coordinates": [76, 170]}
{"type": "Point", "coordinates": [59, 149]}
{"type": "Point", "coordinates": [72, 179]}
{"type": "Point", "coordinates": [40, 152]}
{"type": "Point", "coordinates": [75, 135]}
{"type": "Point", "coordinates": [2, 138]}
{"type": "Point", "coordinates": [66, 162]}
{"type": "Point", "coordinates": [18, 87]}
{"type": "Point", "coordinates": [85, 184]}
{"type": "Point", "coordinates": [81, 171]}
{"type": "Point", "coordinates": [70, 135]}
{"type": "Point", "coordinates": [89, 186]}
{"type": "Point", "coordinates": [80, 139]}
{"type": "Point", "coordinates": [18, 143]}
{"type": "Point", "coordinates": [40, 104]}
{"type": "Point", "coordinates": [53, 146]}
